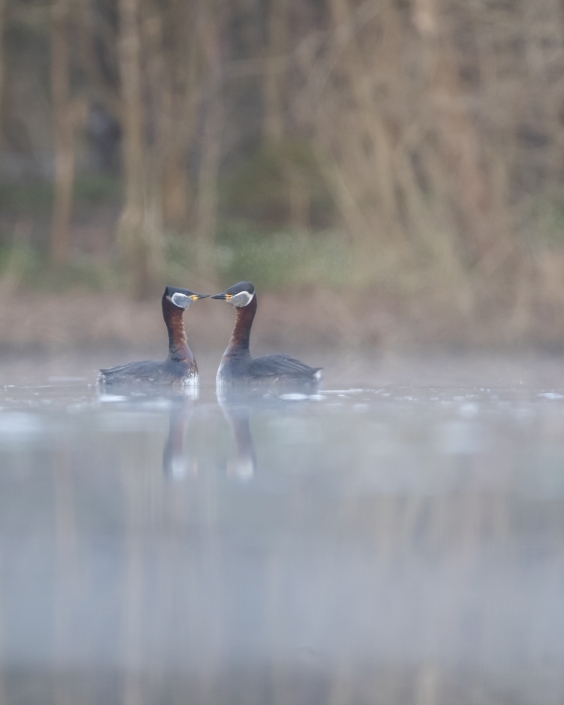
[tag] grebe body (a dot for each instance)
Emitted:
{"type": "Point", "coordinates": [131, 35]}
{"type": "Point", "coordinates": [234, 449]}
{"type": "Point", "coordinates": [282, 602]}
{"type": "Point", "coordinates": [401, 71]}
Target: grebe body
{"type": "Point", "coordinates": [237, 365]}
{"type": "Point", "coordinates": [179, 370]}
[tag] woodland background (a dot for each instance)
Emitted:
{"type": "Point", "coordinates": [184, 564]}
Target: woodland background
{"type": "Point", "coordinates": [387, 172]}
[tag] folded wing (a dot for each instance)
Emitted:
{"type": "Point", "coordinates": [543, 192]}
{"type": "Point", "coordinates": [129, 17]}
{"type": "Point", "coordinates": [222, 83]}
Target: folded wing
{"type": "Point", "coordinates": [283, 367]}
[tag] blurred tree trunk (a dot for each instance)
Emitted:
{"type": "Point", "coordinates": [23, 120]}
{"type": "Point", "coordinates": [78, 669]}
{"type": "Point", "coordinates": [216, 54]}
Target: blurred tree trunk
{"type": "Point", "coordinates": [174, 177]}
{"type": "Point", "coordinates": [299, 198]}
{"type": "Point", "coordinates": [366, 192]}
{"type": "Point", "coordinates": [140, 224]}
{"type": "Point", "coordinates": [206, 205]}
{"type": "Point", "coordinates": [180, 92]}
{"type": "Point", "coordinates": [2, 74]}
{"type": "Point", "coordinates": [275, 92]}
{"type": "Point", "coordinates": [273, 128]}
{"type": "Point", "coordinates": [207, 201]}
{"type": "Point", "coordinates": [88, 46]}
{"type": "Point", "coordinates": [469, 183]}
{"type": "Point", "coordinates": [63, 119]}
{"type": "Point", "coordinates": [2, 62]}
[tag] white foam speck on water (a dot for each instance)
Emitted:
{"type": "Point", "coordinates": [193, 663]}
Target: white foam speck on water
{"type": "Point", "coordinates": [293, 397]}
{"type": "Point", "coordinates": [317, 397]}
{"type": "Point", "coordinates": [355, 390]}
{"type": "Point", "coordinates": [551, 395]}
{"type": "Point", "coordinates": [109, 398]}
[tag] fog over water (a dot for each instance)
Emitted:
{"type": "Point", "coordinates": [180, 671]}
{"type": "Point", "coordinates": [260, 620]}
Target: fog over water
{"type": "Point", "coordinates": [397, 537]}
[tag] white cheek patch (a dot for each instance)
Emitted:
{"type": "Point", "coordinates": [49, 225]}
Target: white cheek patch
{"type": "Point", "coordinates": [241, 299]}
{"type": "Point", "coordinates": [181, 300]}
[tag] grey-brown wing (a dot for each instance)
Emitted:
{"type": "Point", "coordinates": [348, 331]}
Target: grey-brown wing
{"type": "Point", "coordinates": [282, 366]}
{"type": "Point", "coordinates": [146, 371]}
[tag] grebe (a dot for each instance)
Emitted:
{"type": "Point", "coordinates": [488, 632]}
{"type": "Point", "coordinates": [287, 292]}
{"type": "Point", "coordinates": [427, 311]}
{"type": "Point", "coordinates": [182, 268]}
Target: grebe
{"type": "Point", "coordinates": [179, 369]}
{"type": "Point", "coordinates": [237, 365]}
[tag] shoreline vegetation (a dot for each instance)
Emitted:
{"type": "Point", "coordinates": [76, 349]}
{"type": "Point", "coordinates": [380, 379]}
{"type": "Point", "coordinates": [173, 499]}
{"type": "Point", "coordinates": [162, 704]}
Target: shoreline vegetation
{"type": "Point", "coordinates": [87, 306]}
{"type": "Point", "coordinates": [316, 289]}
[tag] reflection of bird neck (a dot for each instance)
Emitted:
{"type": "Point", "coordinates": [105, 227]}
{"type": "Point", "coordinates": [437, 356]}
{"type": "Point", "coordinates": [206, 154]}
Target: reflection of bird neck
{"type": "Point", "coordinates": [245, 462]}
{"type": "Point", "coordinates": [240, 339]}
{"type": "Point", "coordinates": [243, 437]}
{"type": "Point", "coordinates": [174, 460]}
{"type": "Point", "coordinates": [178, 348]}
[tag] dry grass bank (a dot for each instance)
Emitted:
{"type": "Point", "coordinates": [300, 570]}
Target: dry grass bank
{"type": "Point", "coordinates": [306, 318]}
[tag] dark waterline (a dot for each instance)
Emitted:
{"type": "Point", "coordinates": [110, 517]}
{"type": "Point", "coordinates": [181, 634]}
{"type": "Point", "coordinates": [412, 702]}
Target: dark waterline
{"type": "Point", "coordinates": [396, 538]}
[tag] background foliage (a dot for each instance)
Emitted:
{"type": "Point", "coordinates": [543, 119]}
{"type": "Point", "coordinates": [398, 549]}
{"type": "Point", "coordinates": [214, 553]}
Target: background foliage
{"type": "Point", "coordinates": [408, 149]}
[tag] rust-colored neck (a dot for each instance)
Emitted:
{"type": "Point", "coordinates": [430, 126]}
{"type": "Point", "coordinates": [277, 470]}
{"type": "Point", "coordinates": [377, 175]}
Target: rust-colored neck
{"type": "Point", "coordinates": [178, 348]}
{"type": "Point", "coordinates": [239, 343]}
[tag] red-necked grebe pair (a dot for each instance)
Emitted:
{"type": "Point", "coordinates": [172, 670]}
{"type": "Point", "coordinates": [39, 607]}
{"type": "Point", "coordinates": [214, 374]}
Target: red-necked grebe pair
{"type": "Point", "coordinates": [236, 366]}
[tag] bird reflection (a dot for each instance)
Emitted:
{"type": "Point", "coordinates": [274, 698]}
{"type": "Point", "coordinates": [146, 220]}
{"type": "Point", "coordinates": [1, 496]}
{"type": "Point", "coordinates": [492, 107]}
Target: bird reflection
{"type": "Point", "coordinates": [176, 464]}
{"type": "Point", "coordinates": [236, 412]}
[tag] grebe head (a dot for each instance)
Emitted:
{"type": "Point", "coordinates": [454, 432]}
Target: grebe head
{"type": "Point", "coordinates": [238, 295]}
{"type": "Point", "coordinates": [182, 298]}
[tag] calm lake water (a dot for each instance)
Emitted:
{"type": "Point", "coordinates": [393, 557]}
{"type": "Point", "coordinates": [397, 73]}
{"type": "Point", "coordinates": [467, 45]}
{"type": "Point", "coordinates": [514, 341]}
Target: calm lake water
{"type": "Point", "coordinates": [396, 538]}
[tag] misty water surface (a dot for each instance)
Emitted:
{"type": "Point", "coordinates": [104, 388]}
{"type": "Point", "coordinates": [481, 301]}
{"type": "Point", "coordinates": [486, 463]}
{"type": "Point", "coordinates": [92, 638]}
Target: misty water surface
{"type": "Point", "coordinates": [396, 538]}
